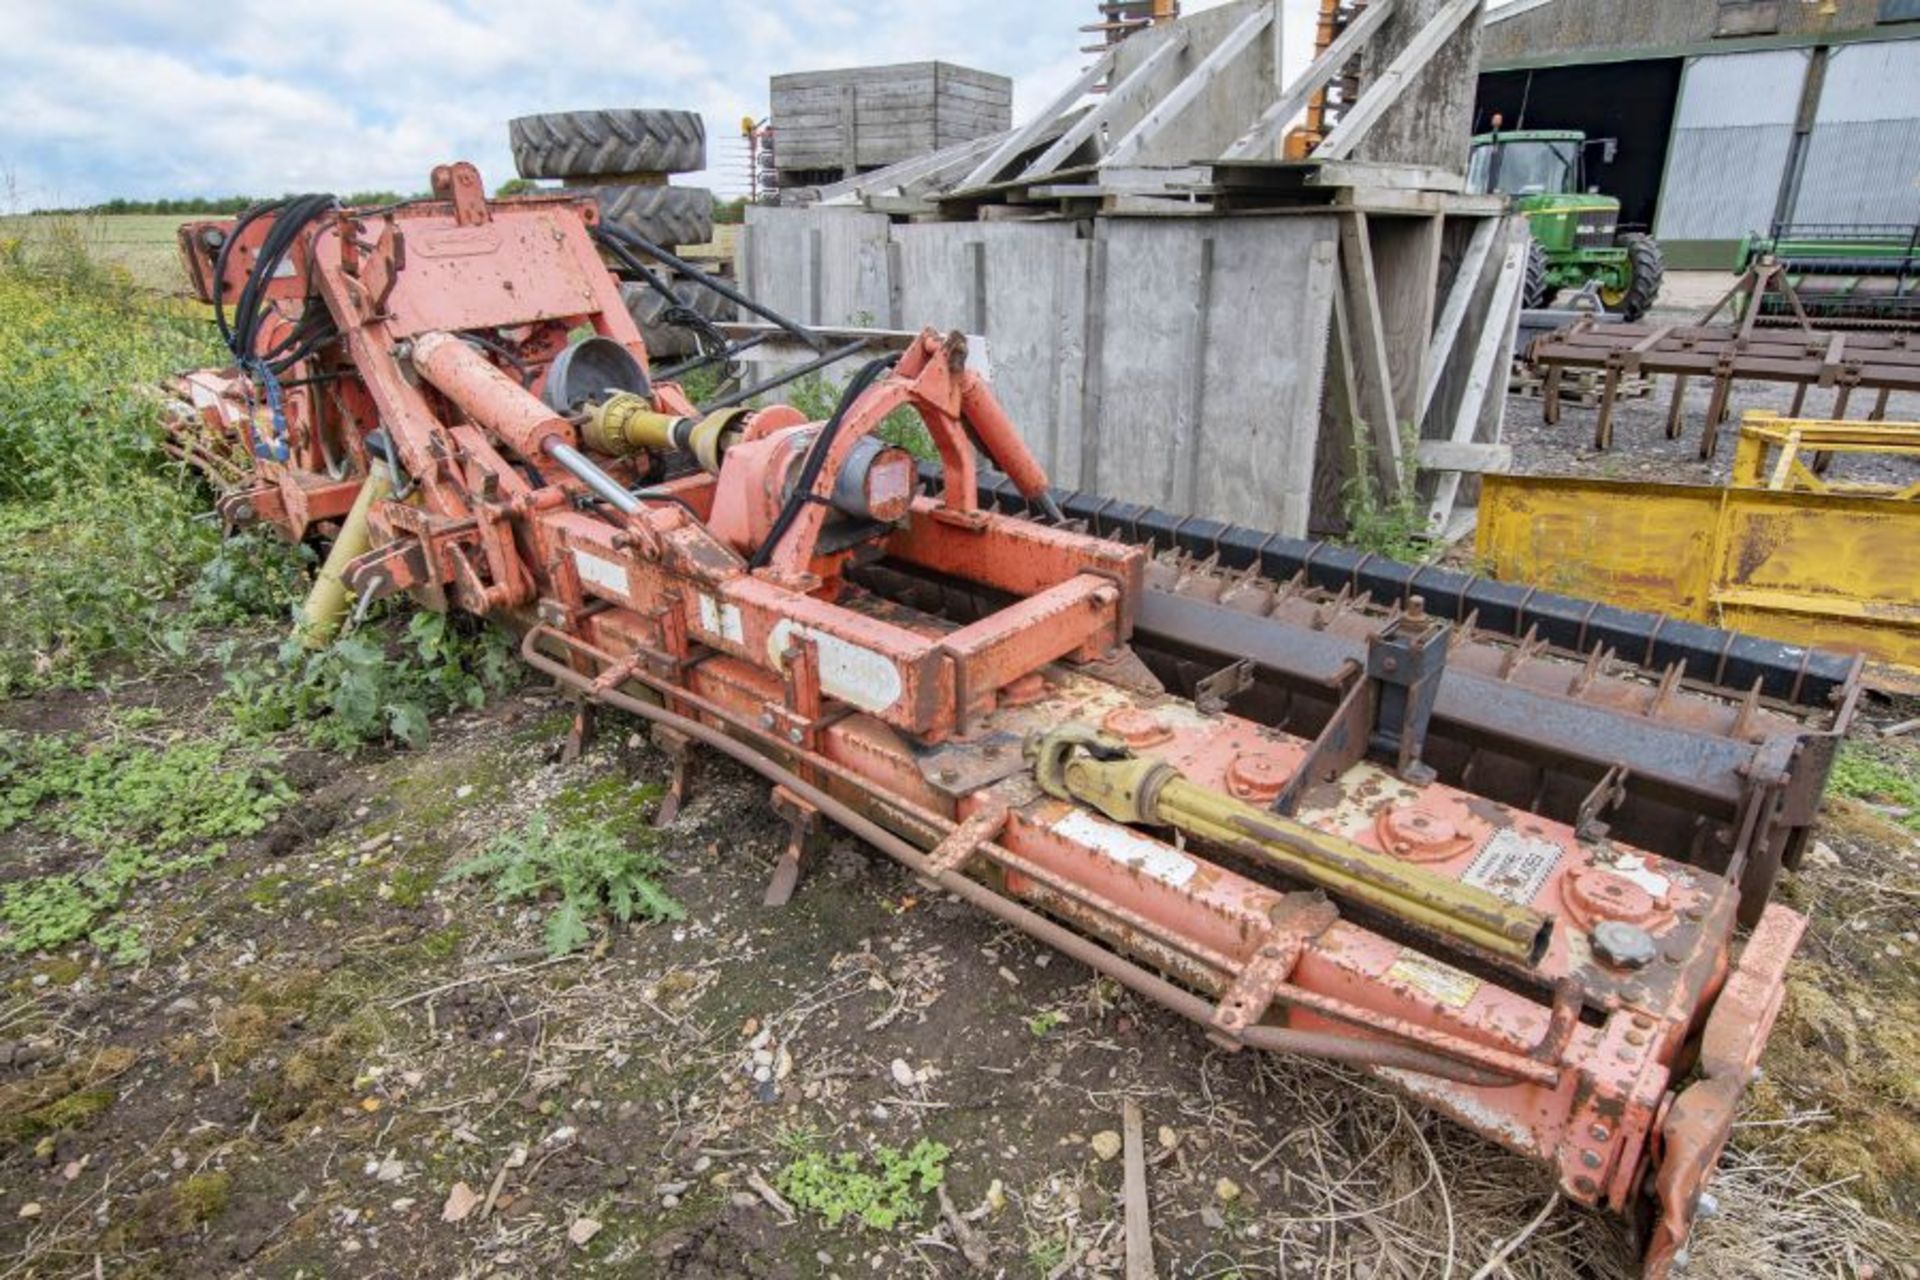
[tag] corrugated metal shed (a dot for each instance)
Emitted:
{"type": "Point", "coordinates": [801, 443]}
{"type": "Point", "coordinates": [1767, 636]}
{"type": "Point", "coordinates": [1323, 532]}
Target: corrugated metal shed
{"type": "Point", "coordinates": [1863, 158]}
{"type": "Point", "coordinates": [1732, 133]}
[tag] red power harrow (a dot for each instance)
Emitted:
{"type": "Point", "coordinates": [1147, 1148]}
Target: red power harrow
{"type": "Point", "coordinates": [451, 393]}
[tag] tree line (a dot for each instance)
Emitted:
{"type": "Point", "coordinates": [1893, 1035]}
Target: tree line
{"type": "Point", "coordinates": [226, 206]}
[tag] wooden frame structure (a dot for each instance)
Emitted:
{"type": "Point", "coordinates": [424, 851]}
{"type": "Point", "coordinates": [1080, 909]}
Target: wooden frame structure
{"type": "Point", "coordinates": [1420, 322]}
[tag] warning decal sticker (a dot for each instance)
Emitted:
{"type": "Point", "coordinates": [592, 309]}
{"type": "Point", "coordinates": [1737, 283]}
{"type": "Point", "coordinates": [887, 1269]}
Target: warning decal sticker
{"type": "Point", "coordinates": [1443, 982]}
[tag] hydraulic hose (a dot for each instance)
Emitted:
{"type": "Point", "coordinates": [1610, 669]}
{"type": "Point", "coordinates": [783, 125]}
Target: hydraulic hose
{"type": "Point", "coordinates": [1328, 1046]}
{"type": "Point", "coordinates": [870, 372]}
{"type": "Point", "coordinates": [622, 243]}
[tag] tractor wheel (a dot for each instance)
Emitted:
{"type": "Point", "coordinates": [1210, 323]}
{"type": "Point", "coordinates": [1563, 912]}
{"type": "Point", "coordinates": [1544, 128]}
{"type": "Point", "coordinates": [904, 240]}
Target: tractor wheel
{"type": "Point", "coordinates": [1646, 268]}
{"type": "Point", "coordinates": [1534, 293]}
{"type": "Point", "coordinates": [649, 311]}
{"type": "Point", "coordinates": [666, 216]}
{"type": "Point", "coordinates": [610, 143]}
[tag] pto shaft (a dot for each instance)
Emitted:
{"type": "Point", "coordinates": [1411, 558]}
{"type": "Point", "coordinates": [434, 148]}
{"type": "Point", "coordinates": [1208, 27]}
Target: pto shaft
{"type": "Point", "coordinates": [1074, 764]}
{"type": "Point", "coordinates": [326, 604]}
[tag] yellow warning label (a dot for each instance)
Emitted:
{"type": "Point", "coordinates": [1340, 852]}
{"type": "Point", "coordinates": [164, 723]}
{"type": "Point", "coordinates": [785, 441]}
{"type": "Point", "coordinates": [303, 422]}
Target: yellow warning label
{"type": "Point", "coordinates": [1443, 982]}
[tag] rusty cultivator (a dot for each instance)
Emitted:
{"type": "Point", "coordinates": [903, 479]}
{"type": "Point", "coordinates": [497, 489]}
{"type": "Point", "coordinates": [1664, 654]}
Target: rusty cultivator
{"type": "Point", "coordinates": [1488, 845]}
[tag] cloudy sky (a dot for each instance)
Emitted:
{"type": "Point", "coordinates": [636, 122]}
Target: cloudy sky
{"type": "Point", "coordinates": [151, 98]}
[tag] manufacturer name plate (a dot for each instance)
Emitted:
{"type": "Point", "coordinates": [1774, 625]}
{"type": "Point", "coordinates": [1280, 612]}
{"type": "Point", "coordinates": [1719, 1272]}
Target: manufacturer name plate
{"type": "Point", "coordinates": [1513, 866]}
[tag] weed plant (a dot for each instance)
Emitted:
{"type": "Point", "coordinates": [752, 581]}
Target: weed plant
{"type": "Point", "coordinates": [576, 872]}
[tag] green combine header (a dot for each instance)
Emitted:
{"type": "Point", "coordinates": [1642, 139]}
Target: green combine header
{"type": "Point", "coordinates": [1844, 273]}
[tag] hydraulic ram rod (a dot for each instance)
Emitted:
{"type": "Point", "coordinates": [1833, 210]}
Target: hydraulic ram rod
{"type": "Point", "coordinates": [496, 401]}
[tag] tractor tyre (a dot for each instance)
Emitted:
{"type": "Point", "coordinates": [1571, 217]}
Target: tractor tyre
{"type": "Point", "coordinates": [608, 143]}
{"type": "Point", "coordinates": [1647, 268]}
{"type": "Point", "coordinates": [666, 216]}
{"type": "Point", "coordinates": [1534, 293]}
{"type": "Point", "coordinates": [667, 340]}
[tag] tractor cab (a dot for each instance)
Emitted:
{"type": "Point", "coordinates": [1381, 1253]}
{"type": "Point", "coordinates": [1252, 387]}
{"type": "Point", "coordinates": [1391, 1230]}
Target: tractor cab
{"type": "Point", "coordinates": [1576, 232]}
{"type": "Point", "coordinates": [1533, 162]}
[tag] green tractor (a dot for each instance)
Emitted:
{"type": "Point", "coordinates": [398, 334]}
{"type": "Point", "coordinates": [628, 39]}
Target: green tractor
{"type": "Point", "coordinates": [1576, 240]}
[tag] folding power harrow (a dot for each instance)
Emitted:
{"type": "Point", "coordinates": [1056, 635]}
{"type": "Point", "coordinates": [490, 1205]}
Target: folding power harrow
{"type": "Point", "coordinates": [1503, 878]}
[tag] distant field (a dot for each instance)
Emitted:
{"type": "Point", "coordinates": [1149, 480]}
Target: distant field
{"type": "Point", "coordinates": [143, 242]}
{"type": "Point", "coordinates": [140, 242]}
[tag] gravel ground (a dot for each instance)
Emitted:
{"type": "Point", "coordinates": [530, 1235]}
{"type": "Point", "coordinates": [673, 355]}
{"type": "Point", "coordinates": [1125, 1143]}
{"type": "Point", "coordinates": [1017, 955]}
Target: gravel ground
{"type": "Point", "coordinates": [1641, 450]}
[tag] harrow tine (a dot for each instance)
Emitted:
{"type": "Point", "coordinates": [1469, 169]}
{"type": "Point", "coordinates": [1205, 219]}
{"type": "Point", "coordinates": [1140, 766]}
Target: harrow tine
{"type": "Point", "coordinates": [678, 749]}
{"type": "Point", "coordinates": [803, 825]}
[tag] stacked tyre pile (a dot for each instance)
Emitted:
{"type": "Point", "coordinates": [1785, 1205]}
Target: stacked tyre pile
{"type": "Point", "coordinates": [624, 157]}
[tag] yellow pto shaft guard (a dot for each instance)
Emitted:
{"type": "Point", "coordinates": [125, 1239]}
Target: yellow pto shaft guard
{"type": "Point", "coordinates": [1078, 764]}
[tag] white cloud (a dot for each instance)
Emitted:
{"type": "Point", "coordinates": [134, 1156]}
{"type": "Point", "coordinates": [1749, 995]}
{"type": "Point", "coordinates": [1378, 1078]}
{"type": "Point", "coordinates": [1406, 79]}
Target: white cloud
{"type": "Point", "coordinates": [150, 98]}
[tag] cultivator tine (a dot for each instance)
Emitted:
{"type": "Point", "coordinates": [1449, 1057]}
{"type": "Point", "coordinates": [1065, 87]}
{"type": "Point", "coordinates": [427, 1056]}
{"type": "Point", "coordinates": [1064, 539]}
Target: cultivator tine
{"type": "Point", "coordinates": [678, 749]}
{"type": "Point", "coordinates": [803, 827]}
{"type": "Point", "coordinates": [1609, 392]}
{"type": "Point", "coordinates": [579, 733]}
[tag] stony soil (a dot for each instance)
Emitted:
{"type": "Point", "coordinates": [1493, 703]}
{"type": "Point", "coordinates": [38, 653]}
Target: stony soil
{"type": "Point", "coordinates": [327, 1043]}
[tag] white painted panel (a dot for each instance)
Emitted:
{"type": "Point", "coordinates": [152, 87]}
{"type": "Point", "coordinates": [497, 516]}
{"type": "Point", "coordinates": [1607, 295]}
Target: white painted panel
{"type": "Point", "coordinates": [1722, 183]}
{"type": "Point", "coordinates": [1867, 171]}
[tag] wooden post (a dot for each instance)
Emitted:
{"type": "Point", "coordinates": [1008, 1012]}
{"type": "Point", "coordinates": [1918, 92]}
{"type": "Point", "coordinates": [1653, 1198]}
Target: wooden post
{"type": "Point", "coordinates": [1373, 370]}
{"type": "Point", "coordinates": [1138, 1213]}
{"type": "Point", "coordinates": [1191, 86]}
{"type": "Point", "coordinates": [1466, 280]}
{"type": "Point", "coordinates": [1493, 345]}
